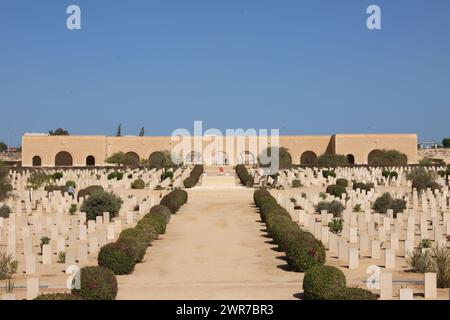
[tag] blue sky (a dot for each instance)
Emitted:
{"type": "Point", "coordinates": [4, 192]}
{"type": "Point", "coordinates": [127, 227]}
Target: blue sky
{"type": "Point", "coordinates": [304, 67]}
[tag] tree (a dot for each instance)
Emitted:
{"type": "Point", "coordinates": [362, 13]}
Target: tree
{"type": "Point", "coordinates": [159, 160]}
{"type": "Point", "coordinates": [332, 160]}
{"type": "Point", "coordinates": [446, 142]}
{"type": "Point", "coordinates": [122, 159]}
{"type": "Point", "coordinates": [142, 132]}
{"type": "Point", "coordinates": [3, 147]}
{"type": "Point", "coordinates": [284, 158]}
{"type": "Point", "coordinates": [59, 132]}
{"type": "Point", "coordinates": [422, 179]}
{"type": "Point", "coordinates": [5, 186]}
{"type": "Point", "coordinates": [387, 158]}
{"type": "Point", "coordinates": [119, 131]}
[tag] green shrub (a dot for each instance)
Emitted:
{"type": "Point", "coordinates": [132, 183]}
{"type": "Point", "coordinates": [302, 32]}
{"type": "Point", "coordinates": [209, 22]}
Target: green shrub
{"type": "Point", "coordinates": [387, 158]}
{"type": "Point", "coordinates": [84, 193]}
{"type": "Point", "coordinates": [322, 282]}
{"type": "Point", "coordinates": [137, 246]}
{"type": "Point", "coordinates": [174, 200]}
{"type": "Point", "coordinates": [38, 179]}
{"type": "Point", "coordinates": [5, 211]}
{"type": "Point", "coordinates": [446, 142]}
{"type": "Point", "coordinates": [61, 257]}
{"type": "Point", "coordinates": [332, 160]}
{"type": "Point", "coordinates": [58, 296]}
{"type": "Point", "coordinates": [157, 221]}
{"type": "Point", "coordinates": [357, 208]}
{"type": "Point", "coordinates": [147, 228]}
{"type": "Point", "coordinates": [334, 207]}
{"type": "Point", "coordinates": [53, 188]}
{"type": "Point", "coordinates": [100, 202]}
{"type": "Point", "coordinates": [194, 177]}
{"type": "Point", "coordinates": [296, 183]}
{"type": "Point", "coordinates": [97, 283]}
{"type": "Point", "coordinates": [393, 174]}
{"type": "Point", "coordinates": [420, 261]}
{"type": "Point", "coordinates": [163, 211]}
{"type": "Point", "coordinates": [284, 158]}
{"type": "Point", "coordinates": [8, 266]}
{"type": "Point", "coordinates": [441, 265]}
{"type": "Point", "coordinates": [71, 183]}
{"type": "Point", "coordinates": [44, 241]}
{"type": "Point", "coordinates": [421, 178]}
{"type": "Point", "coordinates": [336, 190]}
{"type": "Point", "coordinates": [138, 184]}
{"type": "Point", "coordinates": [342, 182]}
{"type": "Point", "coordinates": [363, 186]}
{"type": "Point", "coordinates": [305, 253]}
{"type": "Point", "coordinates": [353, 294]}
{"type": "Point", "coordinates": [425, 244]}
{"type": "Point", "coordinates": [243, 175]}
{"type": "Point", "coordinates": [336, 225]}
{"type": "Point", "coordinates": [385, 202]}
{"type": "Point", "coordinates": [73, 208]}
{"type": "Point", "coordinates": [167, 175]}
{"type": "Point", "coordinates": [118, 257]}
{"type": "Point", "coordinates": [115, 175]}
{"type": "Point", "coordinates": [328, 173]}
{"type": "Point", "coordinates": [143, 235]}
{"type": "Point", "coordinates": [57, 176]}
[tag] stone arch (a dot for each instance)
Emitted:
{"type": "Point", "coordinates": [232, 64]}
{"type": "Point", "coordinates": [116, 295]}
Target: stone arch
{"type": "Point", "coordinates": [37, 161]}
{"type": "Point", "coordinates": [351, 158]}
{"type": "Point", "coordinates": [247, 158]}
{"type": "Point", "coordinates": [221, 158]}
{"type": "Point", "coordinates": [308, 158]}
{"type": "Point", "coordinates": [90, 161]}
{"type": "Point", "coordinates": [134, 155]}
{"type": "Point", "coordinates": [194, 157]}
{"type": "Point", "coordinates": [63, 159]}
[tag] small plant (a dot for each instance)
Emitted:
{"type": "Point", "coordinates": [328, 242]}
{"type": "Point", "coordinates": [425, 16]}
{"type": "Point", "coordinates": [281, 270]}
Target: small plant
{"type": "Point", "coordinates": [323, 195]}
{"type": "Point", "coordinates": [425, 244]}
{"type": "Point", "coordinates": [420, 261]}
{"type": "Point", "coordinates": [8, 266]}
{"type": "Point", "coordinates": [293, 200]}
{"type": "Point", "coordinates": [57, 176]}
{"type": "Point", "coordinates": [71, 183]}
{"type": "Point", "coordinates": [61, 257]}
{"type": "Point", "coordinates": [73, 208]}
{"type": "Point", "coordinates": [9, 285]}
{"type": "Point", "coordinates": [303, 195]}
{"type": "Point", "coordinates": [296, 183]}
{"type": "Point", "coordinates": [44, 241]}
{"type": "Point", "coordinates": [138, 184]}
{"type": "Point", "coordinates": [441, 264]}
{"type": "Point", "coordinates": [336, 225]}
{"type": "Point", "coordinates": [5, 211]}
{"type": "Point", "coordinates": [357, 208]}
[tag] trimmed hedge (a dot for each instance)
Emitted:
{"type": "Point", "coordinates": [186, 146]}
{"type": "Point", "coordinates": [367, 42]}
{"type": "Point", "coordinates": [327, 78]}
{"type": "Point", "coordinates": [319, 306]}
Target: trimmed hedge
{"type": "Point", "coordinates": [194, 177]}
{"type": "Point", "coordinates": [243, 175]}
{"type": "Point", "coordinates": [302, 249]}
{"type": "Point", "coordinates": [58, 296]}
{"type": "Point", "coordinates": [329, 283]}
{"type": "Point", "coordinates": [97, 283]}
{"type": "Point", "coordinates": [163, 211]}
{"type": "Point", "coordinates": [174, 200]}
{"type": "Point", "coordinates": [363, 186]}
{"type": "Point", "coordinates": [321, 282]}
{"type": "Point", "coordinates": [122, 255]}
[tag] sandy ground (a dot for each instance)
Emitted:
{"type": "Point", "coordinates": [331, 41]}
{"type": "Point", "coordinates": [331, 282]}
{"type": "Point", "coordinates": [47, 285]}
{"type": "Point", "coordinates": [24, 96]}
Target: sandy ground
{"type": "Point", "coordinates": [214, 248]}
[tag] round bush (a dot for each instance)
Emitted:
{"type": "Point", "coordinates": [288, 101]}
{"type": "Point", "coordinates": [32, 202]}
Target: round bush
{"type": "Point", "coordinates": [148, 229]}
{"type": "Point", "coordinates": [363, 186]}
{"type": "Point", "coordinates": [305, 252]}
{"type": "Point", "coordinates": [97, 283]}
{"type": "Point", "coordinates": [58, 296]}
{"type": "Point", "coordinates": [84, 193]}
{"type": "Point", "coordinates": [342, 182]}
{"type": "Point", "coordinates": [157, 221]}
{"type": "Point", "coordinates": [296, 183]}
{"type": "Point", "coordinates": [136, 245]}
{"type": "Point", "coordinates": [138, 184]}
{"type": "Point", "coordinates": [57, 176]}
{"type": "Point", "coordinates": [99, 202]}
{"type": "Point", "coordinates": [161, 210]}
{"type": "Point", "coordinates": [336, 190]}
{"type": "Point", "coordinates": [322, 282]}
{"type": "Point", "coordinates": [139, 233]}
{"type": "Point", "coordinates": [117, 257]}
{"type": "Point", "coordinates": [71, 183]}
{"type": "Point", "coordinates": [5, 211]}
{"type": "Point", "coordinates": [115, 175]}
{"type": "Point", "coordinates": [328, 173]}
{"type": "Point", "coordinates": [167, 175]}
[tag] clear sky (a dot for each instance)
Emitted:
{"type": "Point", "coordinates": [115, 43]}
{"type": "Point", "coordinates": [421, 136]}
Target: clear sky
{"type": "Point", "coordinates": [304, 67]}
